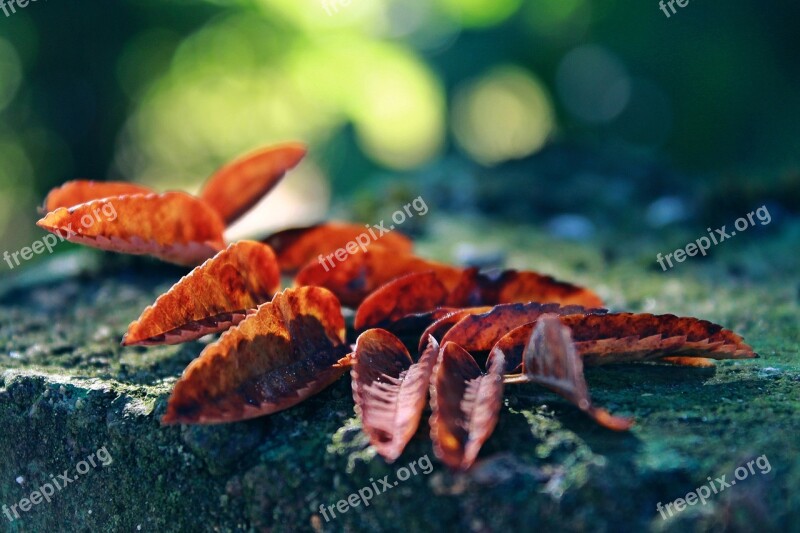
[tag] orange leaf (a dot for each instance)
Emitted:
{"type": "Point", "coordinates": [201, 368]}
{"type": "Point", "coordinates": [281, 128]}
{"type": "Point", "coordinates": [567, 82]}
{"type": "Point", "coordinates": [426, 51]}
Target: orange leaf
{"type": "Point", "coordinates": [390, 391]}
{"type": "Point", "coordinates": [297, 247]}
{"type": "Point", "coordinates": [211, 298]}
{"type": "Point", "coordinates": [696, 362]}
{"type": "Point", "coordinates": [401, 297]}
{"type": "Point", "coordinates": [450, 318]}
{"type": "Point", "coordinates": [630, 337]}
{"type": "Point", "coordinates": [238, 186]}
{"type": "Point", "coordinates": [466, 405]}
{"type": "Point", "coordinates": [286, 352]}
{"type": "Point", "coordinates": [550, 359]}
{"type": "Point", "coordinates": [511, 286]}
{"type": "Point", "coordinates": [173, 226]}
{"type": "Point", "coordinates": [78, 192]}
{"type": "Point", "coordinates": [480, 332]}
{"type": "Point", "coordinates": [361, 273]}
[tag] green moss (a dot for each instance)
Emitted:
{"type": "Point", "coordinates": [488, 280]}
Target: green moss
{"type": "Point", "coordinates": [68, 389]}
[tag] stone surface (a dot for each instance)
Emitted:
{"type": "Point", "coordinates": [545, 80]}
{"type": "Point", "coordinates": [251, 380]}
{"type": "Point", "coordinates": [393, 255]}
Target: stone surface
{"type": "Point", "coordinates": [68, 389]}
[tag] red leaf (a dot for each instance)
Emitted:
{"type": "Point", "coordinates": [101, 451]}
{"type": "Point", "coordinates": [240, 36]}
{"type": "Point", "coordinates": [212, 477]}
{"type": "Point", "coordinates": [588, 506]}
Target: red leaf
{"type": "Point", "coordinates": [173, 226]}
{"type": "Point", "coordinates": [238, 186]}
{"type": "Point", "coordinates": [630, 337]}
{"type": "Point", "coordinates": [289, 350]}
{"type": "Point", "coordinates": [550, 359]}
{"type": "Point", "coordinates": [399, 298]}
{"type": "Point", "coordinates": [444, 323]}
{"type": "Point", "coordinates": [466, 405]}
{"type": "Point", "coordinates": [297, 247]}
{"type": "Point", "coordinates": [390, 391]}
{"type": "Point", "coordinates": [213, 297]}
{"type": "Point", "coordinates": [361, 273]}
{"type": "Point", "coordinates": [78, 192]}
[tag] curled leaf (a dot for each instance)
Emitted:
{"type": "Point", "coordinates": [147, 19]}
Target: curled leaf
{"type": "Point", "coordinates": [238, 186]}
{"type": "Point", "coordinates": [361, 273]}
{"type": "Point", "coordinates": [287, 351]}
{"type": "Point", "coordinates": [297, 247]}
{"type": "Point", "coordinates": [443, 323]}
{"type": "Point", "coordinates": [550, 359]}
{"type": "Point", "coordinates": [466, 405]}
{"type": "Point", "coordinates": [399, 298]}
{"type": "Point", "coordinates": [390, 391]}
{"type": "Point", "coordinates": [629, 337]}
{"type": "Point", "coordinates": [78, 192]}
{"type": "Point", "coordinates": [173, 226]}
{"type": "Point", "coordinates": [213, 297]}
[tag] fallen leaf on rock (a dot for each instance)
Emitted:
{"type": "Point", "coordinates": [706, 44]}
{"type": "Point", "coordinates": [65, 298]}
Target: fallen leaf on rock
{"type": "Point", "coordinates": [290, 349]}
{"type": "Point", "coordinates": [215, 296]}
{"type": "Point", "coordinates": [239, 185]}
{"type": "Point", "coordinates": [173, 226]}
{"type": "Point", "coordinates": [466, 405]}
{"type": "Point", "coordinates": [389, 390]}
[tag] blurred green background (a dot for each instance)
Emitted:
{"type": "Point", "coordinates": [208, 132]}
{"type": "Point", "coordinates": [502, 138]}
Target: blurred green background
{"type": "Point", "coordinates": [604, 111]}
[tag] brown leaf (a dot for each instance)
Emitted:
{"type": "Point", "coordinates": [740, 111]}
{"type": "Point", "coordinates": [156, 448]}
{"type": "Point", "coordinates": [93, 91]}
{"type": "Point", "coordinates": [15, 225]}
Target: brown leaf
{"type": "Point", "coordinates": [511, 286]}
{"type": "Point", "coordinates": [390, 391]}
{"type": "Point", "coordinates": [213, 297]}
{"type": "Point", "coordinates": [550, 360]}
{"type": "Point", "coordinates": [466, 405]}
{"type": "Point", "coordinates": [630, 337]}
{"type": "Point", "coordinates": [297, 247]}
{"type": "Point", "coordinates": [361, 273]}
{"type": "Point", "coordinates": [406, 295]}
{"type": "Point", "coordinates": [442, 324]}
{"type": "Point", "coordinates": [173, 226]}
{"type": "Point", "coordinates": [696, 362]}
{"type": "Point", "coordinates": [480, 332]}
{"type": "Point", "coordinates": [238, 186]}
{"type": "Point", "coordinates": [78, 192]}
{"type": "Point", "coordinates": [289, 350]}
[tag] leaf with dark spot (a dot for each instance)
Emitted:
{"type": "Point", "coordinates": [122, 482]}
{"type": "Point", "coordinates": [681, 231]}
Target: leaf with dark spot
{"type": "Point", "coordinates": [466, 405]}
{"type": "Point", "coordinates": [289, 350]}
{"type": "Point", "coordinates": [550, 360]}
{"type": "Point", "coordinates": [239, 185]}
{"type": "Point", "coordinates": [213, 297]}
{"type": "Point", "coordinates": [297, 247]}
{"type": "Point", "coordinates": [389, 390]}
{"type": "Point", "coordinates": [173, 226]}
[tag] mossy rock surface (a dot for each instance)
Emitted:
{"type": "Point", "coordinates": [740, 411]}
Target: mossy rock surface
{"type": "Point", "coordinates": [68, 389]}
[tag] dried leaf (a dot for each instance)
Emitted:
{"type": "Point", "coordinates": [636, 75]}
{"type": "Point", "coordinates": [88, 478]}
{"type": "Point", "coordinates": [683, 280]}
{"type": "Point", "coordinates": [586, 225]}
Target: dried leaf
{"type": "Point", "coordinates": [695, 362]}
{"type": "Point", "coordinates": [361, 273]}
{"type": "Point", "coordinates": [213, 297]}
{"type": "Point", "coordinates": [466, 405]}
{"type": "Point", "coordinates": [480, 332]}
{"type": "Point", "coordinates": [442, 324]}
{"type": "Point", "coordinates": [390, 391]}
{"type": "Point", "coordinates": [297, 247]}
{"type": "Point", "coordinates": [550, 359]}
{"type": "Point", "coordinates": [173, 226]}
{"type": "Point", "coordinates": [238, 186]}
{"type": "Point", "coordinates": [399, 298]}
{"type": "Point", "coordinates": [289, 350]}
{"type": "Point", "coordinates": [511, 286]}
{"type": "Point", "coordinates": [629, 337]}
{"type": "Point", "coordinates": [78, 192]}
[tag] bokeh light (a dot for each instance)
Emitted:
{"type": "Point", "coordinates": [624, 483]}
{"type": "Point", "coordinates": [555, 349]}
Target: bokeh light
{"type": "Point", "coordinates": [505, 114]}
